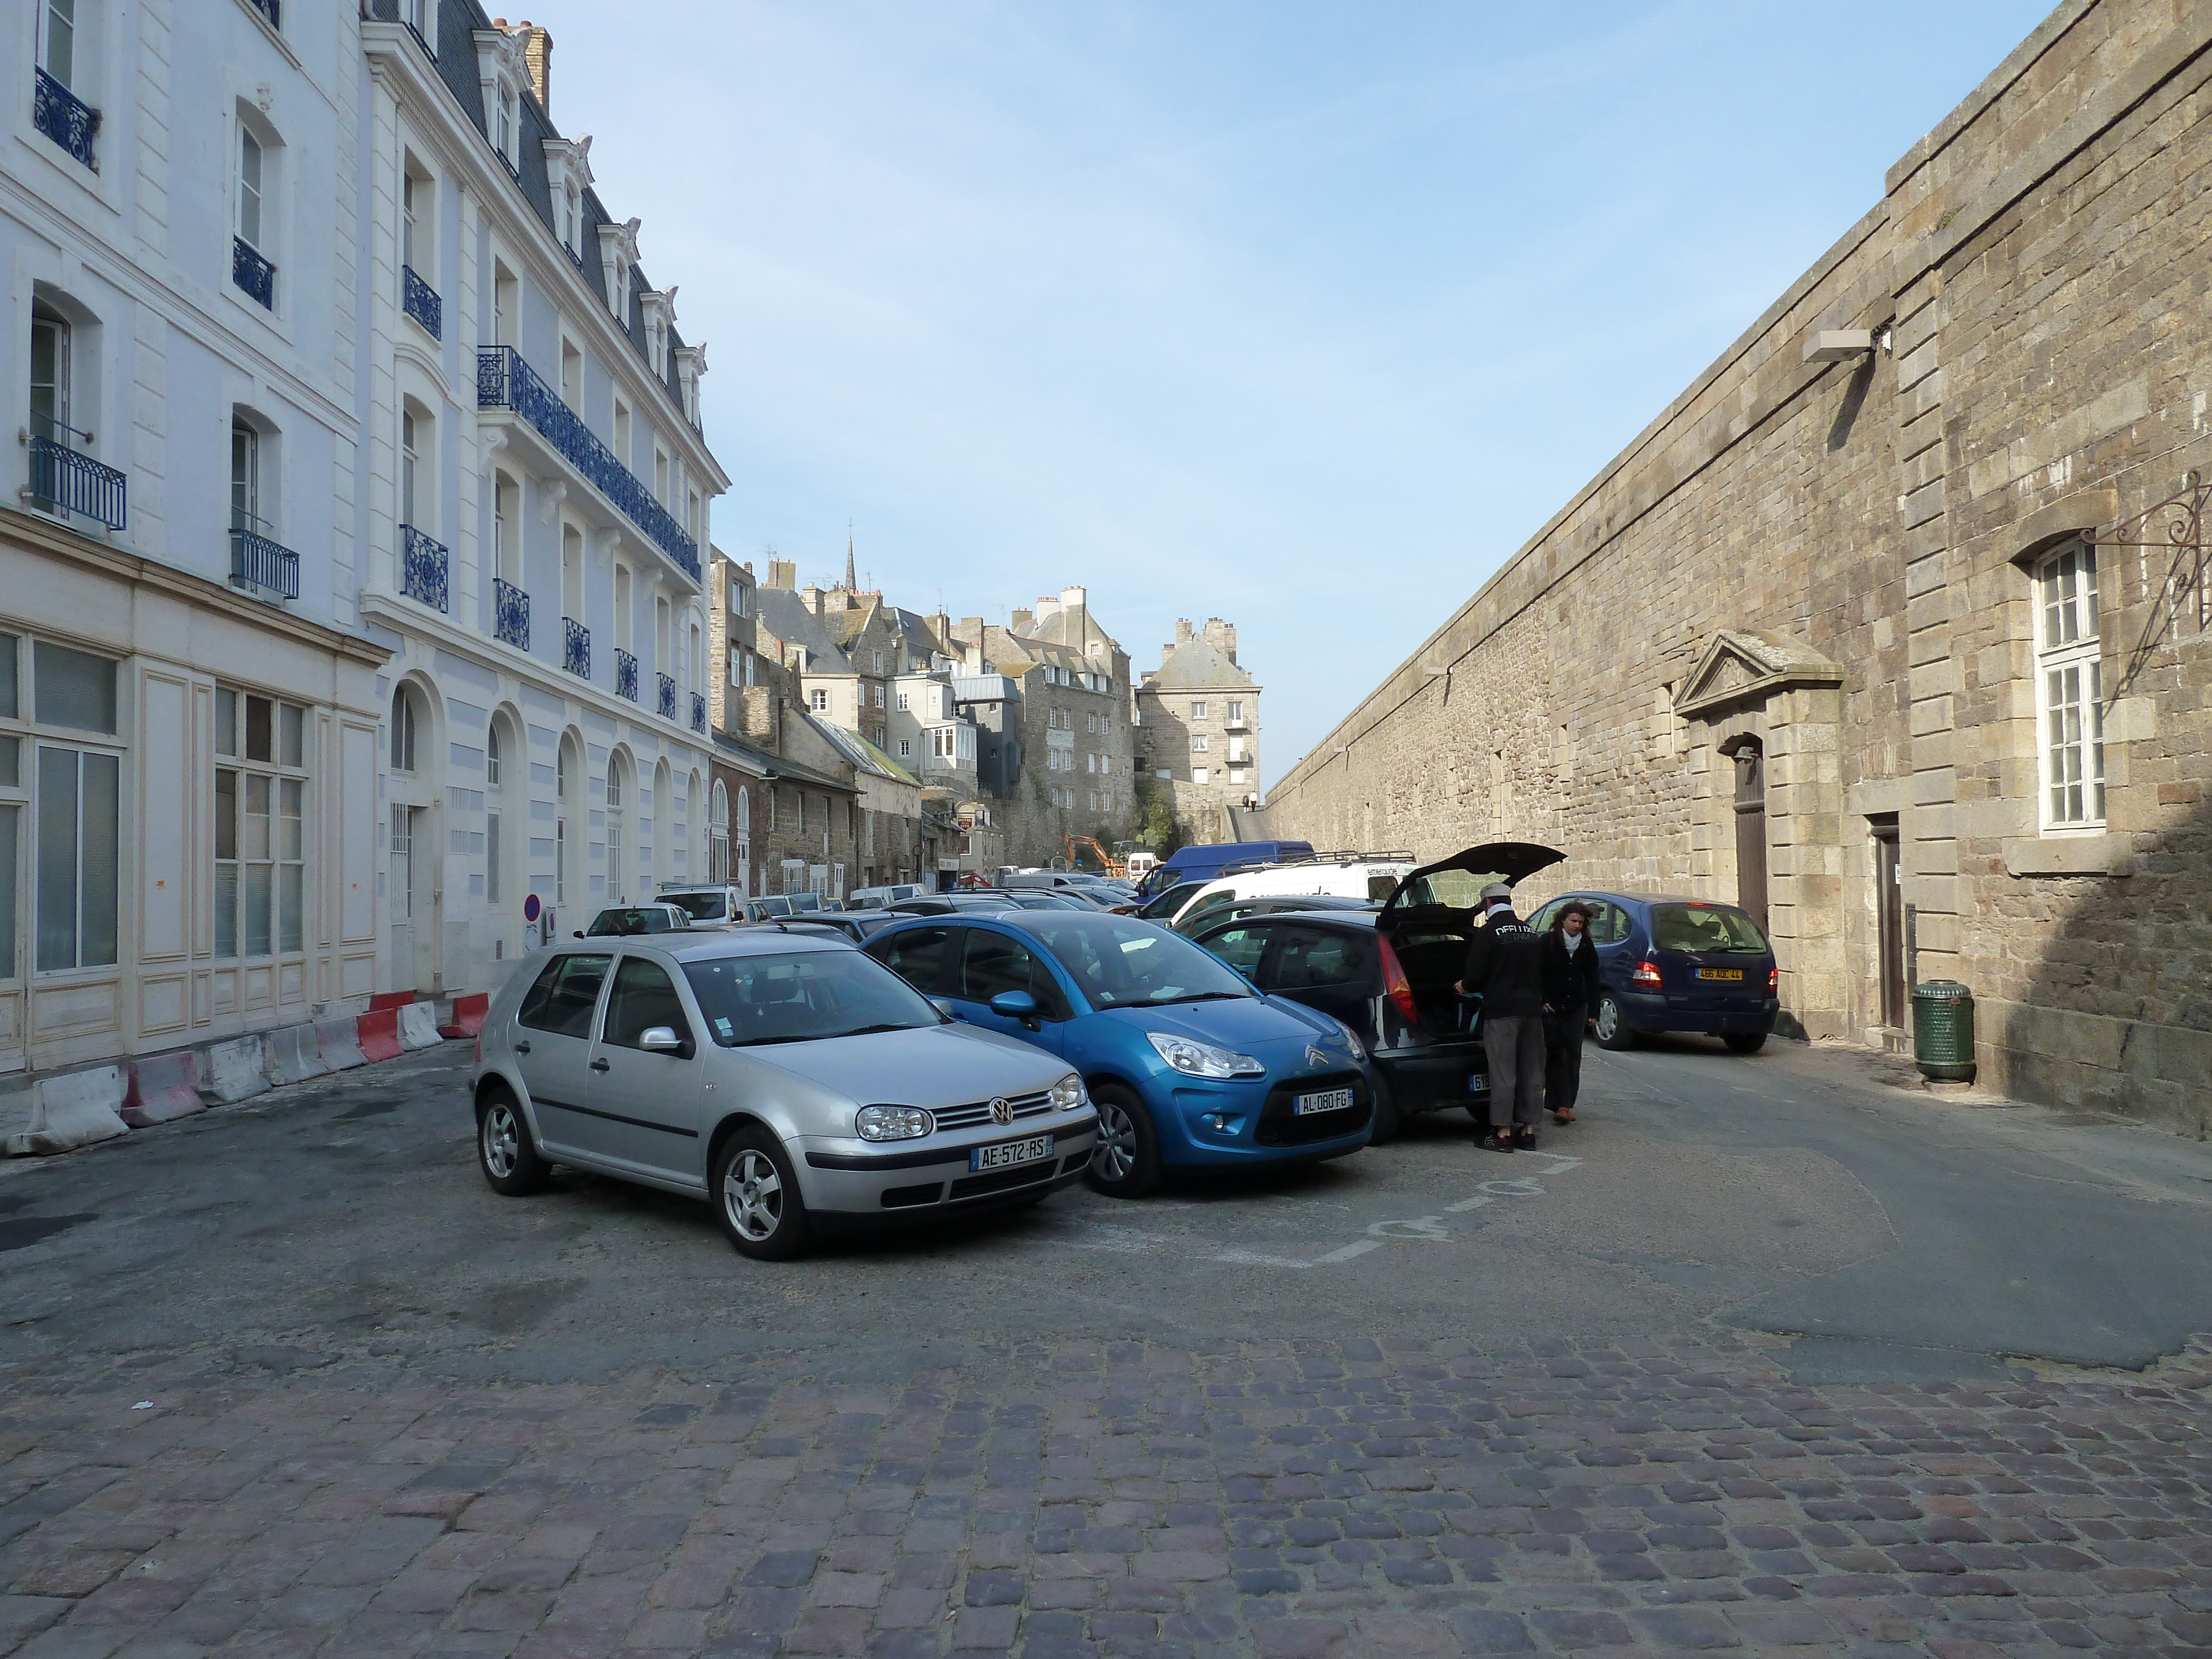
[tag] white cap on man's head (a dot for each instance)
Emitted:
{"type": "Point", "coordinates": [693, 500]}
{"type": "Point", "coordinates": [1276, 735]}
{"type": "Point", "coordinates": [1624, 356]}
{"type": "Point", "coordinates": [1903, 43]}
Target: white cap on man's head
{"type": "Point", "coordinates": [1498, 892]}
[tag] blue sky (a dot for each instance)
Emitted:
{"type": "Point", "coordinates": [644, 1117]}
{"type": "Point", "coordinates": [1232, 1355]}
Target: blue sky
{"type": "Point", "coordinates": [1304, 316]}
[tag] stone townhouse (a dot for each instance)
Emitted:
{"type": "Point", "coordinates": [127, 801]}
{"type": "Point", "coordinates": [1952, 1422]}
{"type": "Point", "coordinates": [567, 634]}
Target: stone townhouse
{"type": "Point", "coordinates": [1053, 731]}
{"type": "Point", "coordinates": [1198, 733]}
{"type": "Point", "coordinates": [1896, 626]}
{"type": "Point", "coordinates": [188, 712]}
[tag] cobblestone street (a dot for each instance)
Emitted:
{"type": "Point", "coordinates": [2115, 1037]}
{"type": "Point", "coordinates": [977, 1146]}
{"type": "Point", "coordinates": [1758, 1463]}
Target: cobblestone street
{"type": "Point", "coordinates": [285, 1379]}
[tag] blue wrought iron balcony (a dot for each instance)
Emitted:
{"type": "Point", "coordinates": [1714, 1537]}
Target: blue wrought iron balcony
{"type": "Point", "coordinates": [625, 674]}
{"type": "Point", "coordinates": [423, 566]}
{"type": "Point", "coordinates": [421, 301]}
{"type": "Point", "coordinates": [576, 647]}
{"type": "Point", "coordinates": [64, 481]}
{"type": "Point", "coordinates": [667, 704]}
{"type": "Point", "coordinates": [65, 118]}
{"type": "Point", "coordinates": [254, 275]}
{"type": "Point", "coordinates": [510, 613]}
{"type": "Point", "coordinates": [504, 380]}
{"type": "Point", "coordinates": [699, 713]}
{"type": "Point", "coordinates": [257, 562]}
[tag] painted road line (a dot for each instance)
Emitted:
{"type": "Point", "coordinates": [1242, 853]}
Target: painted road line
{"type": "Point", "coordinates": [1346, 1252]}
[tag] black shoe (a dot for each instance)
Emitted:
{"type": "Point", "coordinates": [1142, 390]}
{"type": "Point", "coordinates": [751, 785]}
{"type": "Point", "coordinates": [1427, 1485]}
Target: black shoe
{"type": "Point", "coordinates": [1524, 1137]}
{"type": "Point", "coordinates": [1499, 1140]}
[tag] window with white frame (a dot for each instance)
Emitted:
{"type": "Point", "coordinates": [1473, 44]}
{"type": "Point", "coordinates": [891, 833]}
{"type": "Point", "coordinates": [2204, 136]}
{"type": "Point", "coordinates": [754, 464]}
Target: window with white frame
{"type": "Point", "coordinates": [1198, 775]}
{"type": "Point", "coordinates": [2070, 683]}
{"type": "Point", "coordinates": [260, 825]}
{"type": "Point", "coordinates": [1198, 742]}
{"type": "Point", "coordinates": [818, 700]}
{"type": "Point", "coordinates": [1197, 711]}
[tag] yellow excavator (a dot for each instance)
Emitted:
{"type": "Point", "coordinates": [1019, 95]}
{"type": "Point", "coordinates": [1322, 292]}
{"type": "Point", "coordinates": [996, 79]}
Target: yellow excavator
{"type": "Point", "coordinates": [1108, 862]}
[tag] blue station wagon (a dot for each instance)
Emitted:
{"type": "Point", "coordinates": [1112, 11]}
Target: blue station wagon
{"type": "Point", "coordinates": [1677, 964]}
{"type": "Point", "coordinates": [1188, 1064]}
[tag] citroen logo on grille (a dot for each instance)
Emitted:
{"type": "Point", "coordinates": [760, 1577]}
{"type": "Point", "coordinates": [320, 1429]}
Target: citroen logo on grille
{"type": "Point", "coordinates": [1315, 1057]}
{"type": "Point", "coordinates": [1002, 1111]}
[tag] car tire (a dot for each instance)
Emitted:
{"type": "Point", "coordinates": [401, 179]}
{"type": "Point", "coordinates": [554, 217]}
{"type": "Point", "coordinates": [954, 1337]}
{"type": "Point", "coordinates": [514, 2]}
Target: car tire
{"type": "Point", "coordinates": [756, 1198]}
{"type": "Point", "coordinates": [509, 1158]}
{"type": "Point", "coordinates": [1611, 1027]}
{"type": "Point", "coordinates": [1125, 1163]}
{"type": "Point", "coordinates": [1388, 1121]}
{"type": "Point", "coordinates": [1745, 1043]}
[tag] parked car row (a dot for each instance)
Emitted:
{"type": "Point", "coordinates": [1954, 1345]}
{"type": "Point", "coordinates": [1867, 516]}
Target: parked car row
{"type": "Point", "coordinates": [840, 1069]}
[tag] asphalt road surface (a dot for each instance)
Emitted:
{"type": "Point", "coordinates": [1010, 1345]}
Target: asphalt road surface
{"type": "Point", "coordinates": [1771, 1352]}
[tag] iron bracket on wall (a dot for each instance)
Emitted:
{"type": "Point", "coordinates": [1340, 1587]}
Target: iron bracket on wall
{"type": "Point", "coordinates": [2179, 521]}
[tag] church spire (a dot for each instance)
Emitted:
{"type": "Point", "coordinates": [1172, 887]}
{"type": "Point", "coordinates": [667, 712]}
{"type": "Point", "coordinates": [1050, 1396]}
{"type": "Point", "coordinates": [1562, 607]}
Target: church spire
{"type": "Point", "coordinates": [851, 586]}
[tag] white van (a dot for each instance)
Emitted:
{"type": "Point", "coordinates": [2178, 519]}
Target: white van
{"type": "Point", "coordinates": [1341, 876]}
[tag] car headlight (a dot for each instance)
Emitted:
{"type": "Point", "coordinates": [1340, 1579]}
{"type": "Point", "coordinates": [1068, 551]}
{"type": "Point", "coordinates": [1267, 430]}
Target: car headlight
{"type": "Point", "coordinates": [1351, 1042]}
{"type": "Point", "coordinates": [894, 1123]}
{"type": "Point", "coordinates": [1189, 1056]}
{"type": "Point", "coordinates": [1067, 1093]}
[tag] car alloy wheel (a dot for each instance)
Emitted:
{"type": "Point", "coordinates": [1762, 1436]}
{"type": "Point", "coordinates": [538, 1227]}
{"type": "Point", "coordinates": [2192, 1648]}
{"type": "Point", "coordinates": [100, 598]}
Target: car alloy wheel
{"type": "Point", "coordinates": [1610, 1029]}
{"type": "Point", "coordinates": [505, 1151]}
{"type": "Point", "coordinates": [1126, 1162]}
{"type": "Point", "coordinates": [752, 1196]}
{"type": "Point", "coordinates": [757, 1197]}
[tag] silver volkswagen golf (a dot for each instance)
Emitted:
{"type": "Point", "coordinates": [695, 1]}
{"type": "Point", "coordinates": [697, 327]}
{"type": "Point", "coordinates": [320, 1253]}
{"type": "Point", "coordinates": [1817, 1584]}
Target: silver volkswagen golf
{"type": "Point", "coordinates": [797, 1085]}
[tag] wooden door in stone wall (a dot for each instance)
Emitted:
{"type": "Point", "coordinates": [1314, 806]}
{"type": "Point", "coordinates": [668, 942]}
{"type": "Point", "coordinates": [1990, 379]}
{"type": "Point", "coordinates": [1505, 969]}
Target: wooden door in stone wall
{"type": "Point", "coordinates": [1751, 830]}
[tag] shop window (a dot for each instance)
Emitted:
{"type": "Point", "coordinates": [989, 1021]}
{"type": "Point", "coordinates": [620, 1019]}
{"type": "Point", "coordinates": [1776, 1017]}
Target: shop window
{"type": "Point", "coordinates": [260, 825]}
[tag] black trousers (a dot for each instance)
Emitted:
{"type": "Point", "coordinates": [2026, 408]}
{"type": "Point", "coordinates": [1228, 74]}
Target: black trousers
{"type": "Point", "coordinates": [1563, 1057]}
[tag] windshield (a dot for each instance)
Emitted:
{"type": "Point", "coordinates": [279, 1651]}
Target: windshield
{"type": "Point", "coordinates": [805, 997]}
{"type": "Point", "coordinates": [640, 919]}
{"type": "Point", "coordinates": [1706, 928]}
{"type": "Point", "coordinates": [700, 907]}
{"type": "Point", "coordinates": [1119, 962]}
{"type": "Point", "coordinates": [1171, 900]}
{"type": "Point", "coordinates": [1455, 889]}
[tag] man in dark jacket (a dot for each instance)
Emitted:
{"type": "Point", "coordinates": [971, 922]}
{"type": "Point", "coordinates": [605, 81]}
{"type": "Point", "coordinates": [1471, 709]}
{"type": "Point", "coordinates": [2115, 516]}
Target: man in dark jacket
{"type": "Point", "coordinates": [1505, 967]}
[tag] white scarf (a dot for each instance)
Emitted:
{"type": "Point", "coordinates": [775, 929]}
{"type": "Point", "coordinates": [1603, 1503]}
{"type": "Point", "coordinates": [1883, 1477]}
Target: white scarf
{"type": "Point", "coordinates": [1574, 941]}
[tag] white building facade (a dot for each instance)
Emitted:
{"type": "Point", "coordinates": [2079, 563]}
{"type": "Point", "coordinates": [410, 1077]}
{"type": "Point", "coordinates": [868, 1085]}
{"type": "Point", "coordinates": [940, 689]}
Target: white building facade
{"type": "Point", "coordinates": [188, 711]}
{"type": "Point", "coordinates": [534, 501]}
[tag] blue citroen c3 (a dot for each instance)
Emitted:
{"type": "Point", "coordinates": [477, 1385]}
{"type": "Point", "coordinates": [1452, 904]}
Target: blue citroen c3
{"type": "Point", "coordinates": [1189, 1066]}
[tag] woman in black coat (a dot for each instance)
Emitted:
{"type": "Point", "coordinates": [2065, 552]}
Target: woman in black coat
{"type": "Point", "coordinates": [1570, 961]}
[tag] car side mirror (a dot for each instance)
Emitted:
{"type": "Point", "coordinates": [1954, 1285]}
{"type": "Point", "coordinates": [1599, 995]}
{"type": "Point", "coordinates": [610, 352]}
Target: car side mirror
{"type": "Point", "coordinates": [1014, 1005]}
{"type": "Point", "coordinates": [580, 933]}
{"type": "Point", "coordinates": [663, 1040]}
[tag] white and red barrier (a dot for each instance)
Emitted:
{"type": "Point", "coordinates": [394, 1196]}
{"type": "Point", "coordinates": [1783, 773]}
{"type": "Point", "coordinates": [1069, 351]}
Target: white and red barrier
{"type": "Point", "coordinates": [163, 1088]}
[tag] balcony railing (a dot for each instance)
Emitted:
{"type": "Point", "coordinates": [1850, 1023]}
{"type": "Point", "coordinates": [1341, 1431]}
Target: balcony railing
{"type": "Point", "coordinates": [625, 674]}
{"type": "Point", "coordinates": [65, 118]}
{"type": "Point", "coordinates": [699, 713]}
{"type": "Point", "coordinates": [257, 561]}
{"type": "Point", "coordinates": [576, 647]}
{"type": "Point", "coordinates": [67, 481]}
{"type": "Point", "coordinates": [504, 380]}
{"type": "Point", "coordinates": [667, 704]}
{"type": "Point", "coordinates": [423, 564]}
{"type": "Point", "coordinates": [421, 301]}
{"type": "Point", "coordinates": [253, 273]}
{"type": "Point", "coordinates": [510, 613]}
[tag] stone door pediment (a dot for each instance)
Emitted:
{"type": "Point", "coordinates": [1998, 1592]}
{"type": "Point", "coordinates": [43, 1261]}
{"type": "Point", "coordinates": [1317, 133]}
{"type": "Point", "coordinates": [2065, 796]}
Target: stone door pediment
{"type": "Point", "coordinates": [1740, 666]}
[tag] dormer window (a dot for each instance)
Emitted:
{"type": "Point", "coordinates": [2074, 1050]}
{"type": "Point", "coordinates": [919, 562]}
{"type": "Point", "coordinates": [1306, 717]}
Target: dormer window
{"type": "Point", "coordinates": [503, 123]}
{"type": "Point", "coordinates": [617, 253]}
{"type": "Point", "coordinates": [500, 70]}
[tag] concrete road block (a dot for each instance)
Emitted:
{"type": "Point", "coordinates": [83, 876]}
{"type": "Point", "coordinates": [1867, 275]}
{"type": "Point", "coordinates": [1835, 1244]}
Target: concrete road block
{"type": "Point", "coordinates": [235, 1071]}
{"type": "Point", "coordinates": [293, 1054]}
{"type": "Point", "coordinates": [468, 1016]}
{"type": "Point", "coordinates": [163, 1087]}
{"type": "Point", "coordinates": [418, 1026]}
{"type": "Point", "coordinates": [383, 1000]}
{"type": "Point", "coordinates": [74, 1111]}
{"type": "Point", "coordinates": [377, 1033]}
{"type": "Point", "coordinates": [339, 1040]}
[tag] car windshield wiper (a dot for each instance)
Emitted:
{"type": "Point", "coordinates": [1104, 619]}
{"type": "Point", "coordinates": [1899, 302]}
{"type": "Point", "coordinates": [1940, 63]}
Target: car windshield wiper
{"type": "Point", "coordinates": [1202, 996]}
{"type": "Point", "coordinates": [822, 1036]}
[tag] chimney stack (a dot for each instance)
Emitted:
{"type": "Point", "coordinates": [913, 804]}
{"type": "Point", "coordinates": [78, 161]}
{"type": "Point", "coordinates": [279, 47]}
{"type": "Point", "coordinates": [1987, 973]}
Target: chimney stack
{"type": "Point", "coordinates": [782, 572]}
{"type": "Point", "coordinates": [537, 58]}
{"type": "Point", "coordinates": [1018, 620]}
{"type": "Point", "coordinates": [810, 597]}
{"type": "Point", "coordinates": [1222, 636]}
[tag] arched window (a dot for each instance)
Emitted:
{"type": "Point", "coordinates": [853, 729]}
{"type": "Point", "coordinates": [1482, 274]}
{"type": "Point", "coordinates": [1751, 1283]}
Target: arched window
{"type": "Point", "coordinates": [744, 872]}
{"type": "Point", "coordinates": [402, 731]}
{"type": "Point", "coordinates": [718, 834]}
{"type": "Point", "coordinates": [618, 873]}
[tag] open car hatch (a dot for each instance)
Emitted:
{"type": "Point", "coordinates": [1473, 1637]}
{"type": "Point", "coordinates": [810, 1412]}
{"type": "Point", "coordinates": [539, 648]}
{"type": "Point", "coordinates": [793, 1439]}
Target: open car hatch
{"type": "Point", "coordinates": [1456, 882]}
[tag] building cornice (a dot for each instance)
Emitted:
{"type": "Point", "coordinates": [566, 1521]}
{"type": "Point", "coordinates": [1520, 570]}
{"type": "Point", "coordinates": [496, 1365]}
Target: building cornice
{"type": "Point", "coordinates": [395, 56]}
{"type": "Point", "coordinates": [42, 535]}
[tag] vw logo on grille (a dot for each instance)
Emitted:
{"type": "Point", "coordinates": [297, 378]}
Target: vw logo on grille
{"type": "Point", "coordinates": [1315, 1057]}
{"type": "Point", "coordinates": [1002, 1111]}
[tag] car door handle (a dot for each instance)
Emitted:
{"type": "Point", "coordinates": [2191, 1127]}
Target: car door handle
{"type": "Point", "coordinates": [522, 1048]}
{"type": "Point", "coordinates": [600, 1064]}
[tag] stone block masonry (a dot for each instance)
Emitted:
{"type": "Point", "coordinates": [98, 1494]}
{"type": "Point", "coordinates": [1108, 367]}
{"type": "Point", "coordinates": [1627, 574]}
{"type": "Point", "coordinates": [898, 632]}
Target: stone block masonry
{"type": "Point", "coordinates": [1794, 646]}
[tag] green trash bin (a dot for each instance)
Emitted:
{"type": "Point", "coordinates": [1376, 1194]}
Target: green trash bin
{"type": "Point", "coordinates": [1943, 1030]}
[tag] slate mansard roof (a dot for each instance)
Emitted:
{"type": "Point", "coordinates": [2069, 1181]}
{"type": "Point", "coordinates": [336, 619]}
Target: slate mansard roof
{"type": "Point", "coordinates": [455, 53]}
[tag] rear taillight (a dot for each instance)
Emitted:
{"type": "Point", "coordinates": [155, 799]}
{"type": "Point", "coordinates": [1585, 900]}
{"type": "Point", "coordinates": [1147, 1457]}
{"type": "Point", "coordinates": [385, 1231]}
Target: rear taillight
{"type": "Point", "coordinates": [1773, 981]}
{"type": "Point", "coordinates": [1397, 987]}
{"type": "Point", "coordinates": [1647, 973]}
